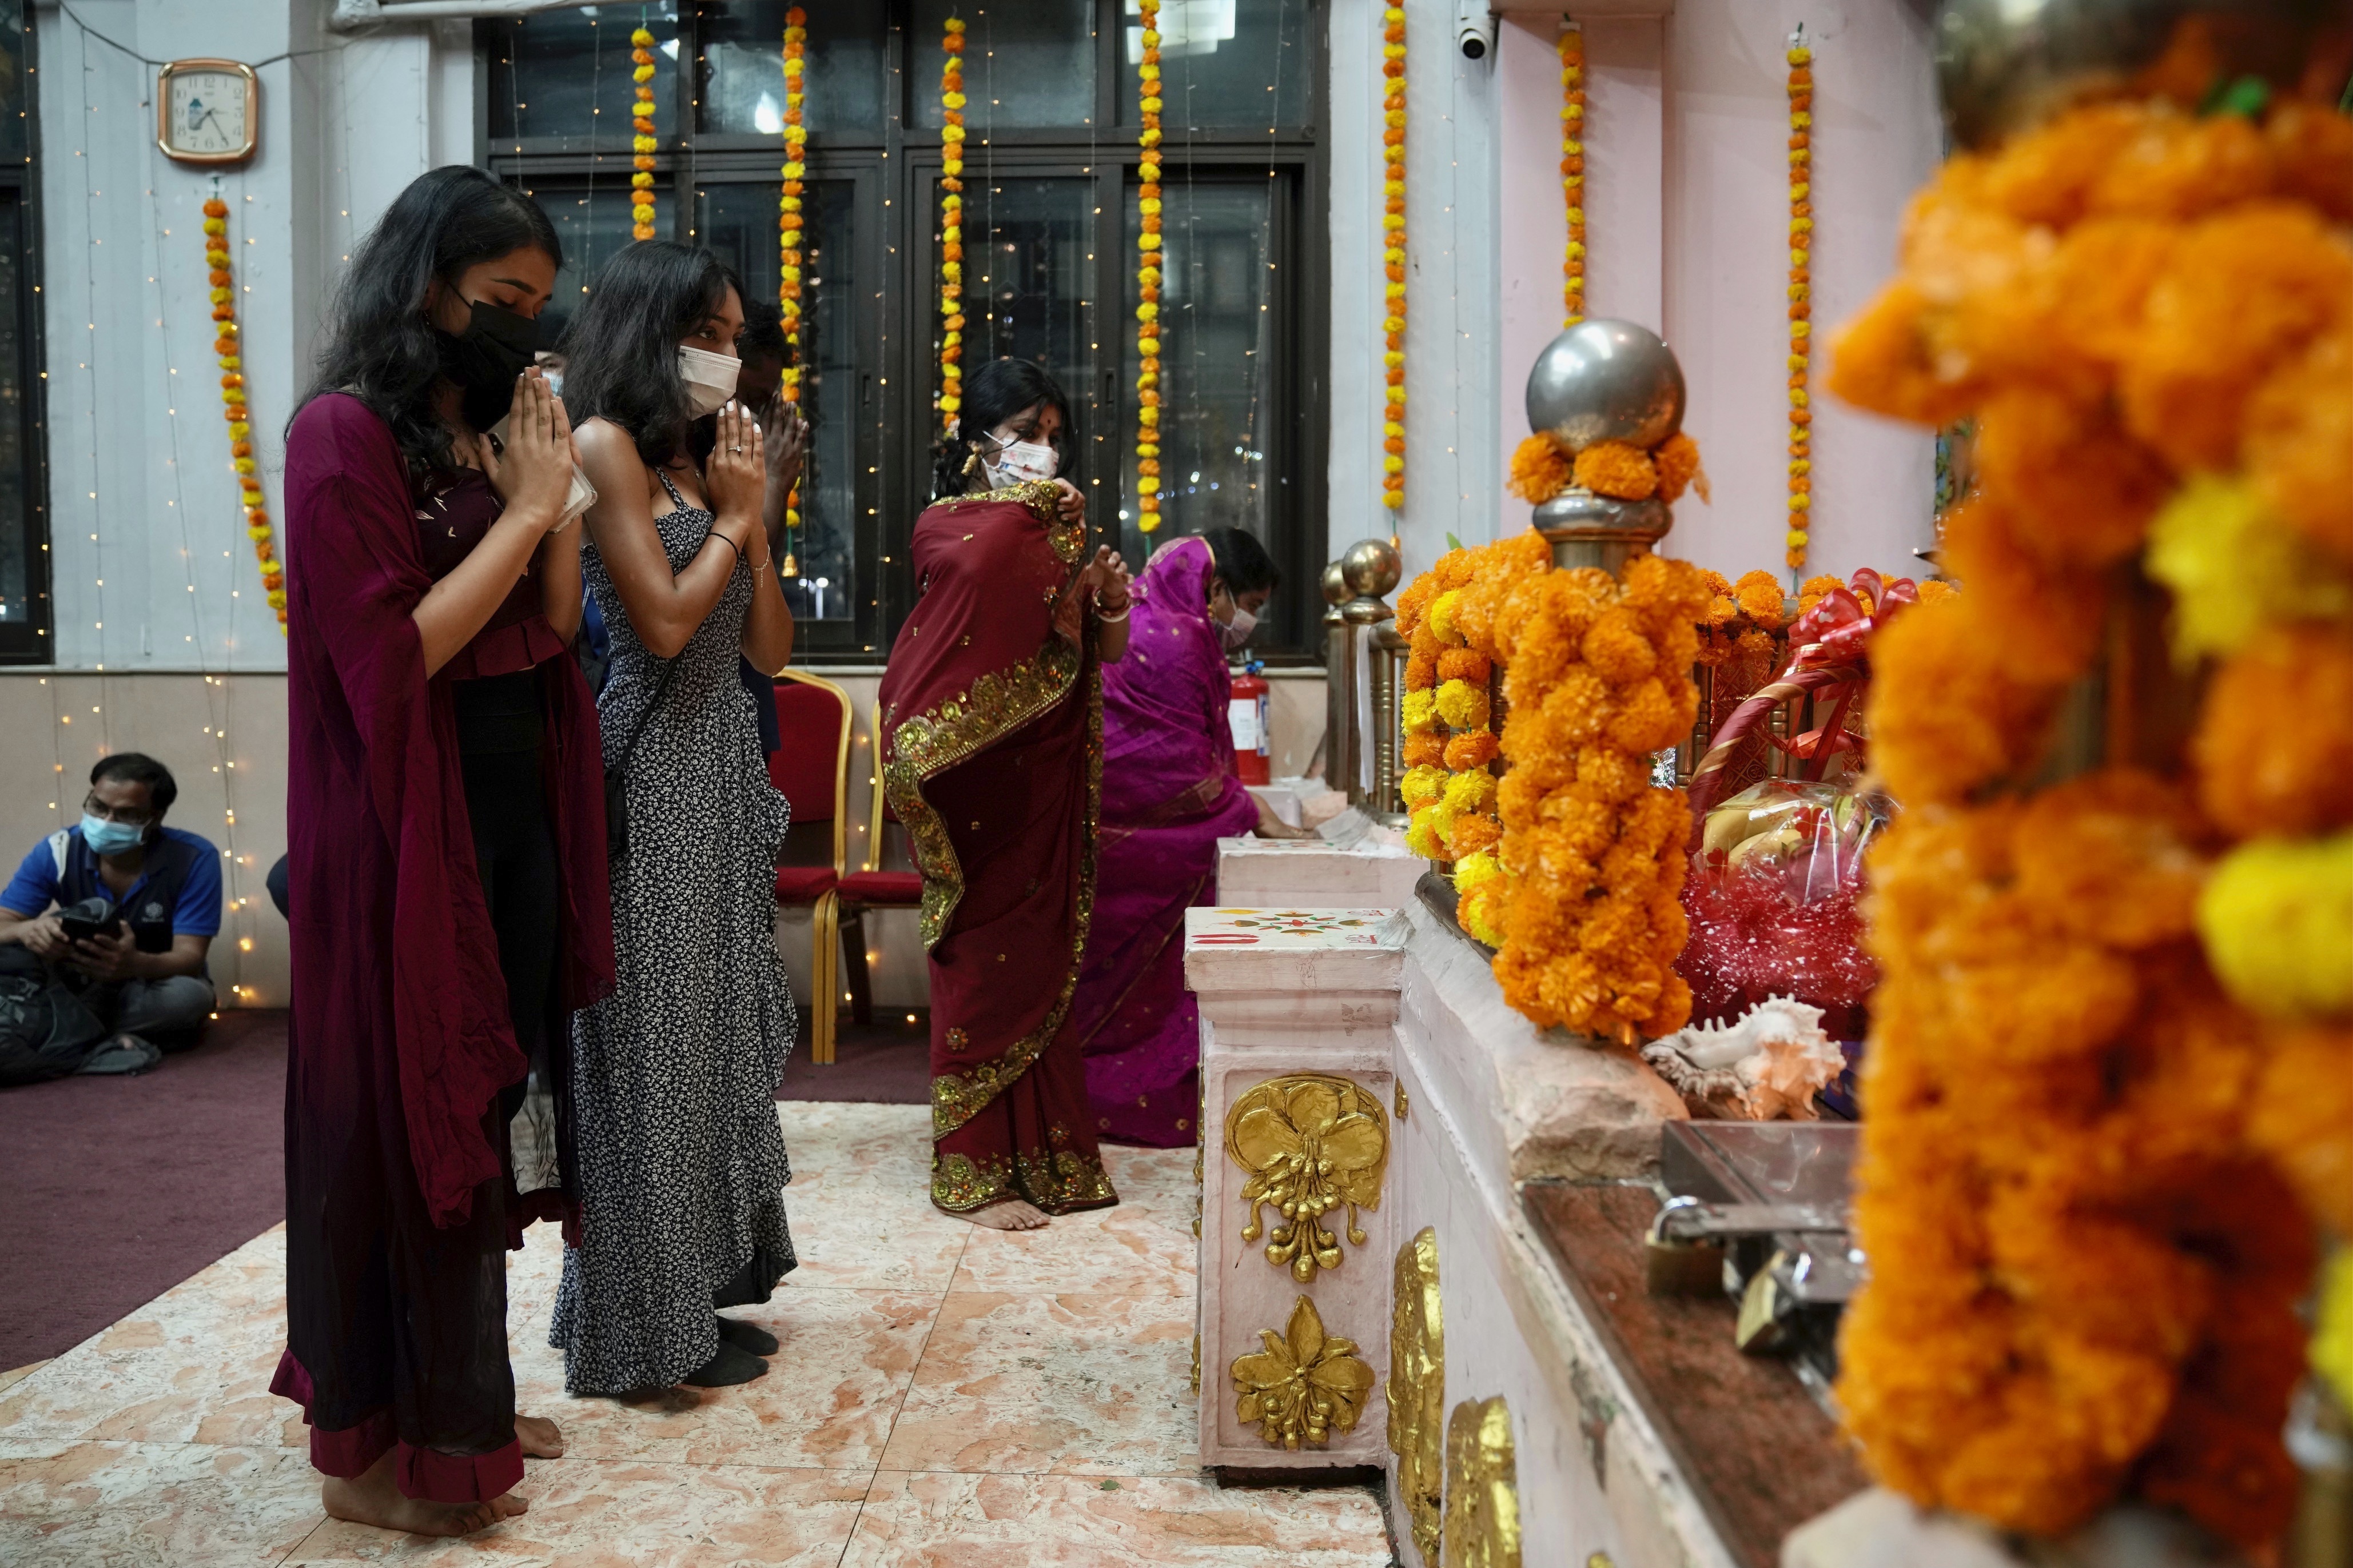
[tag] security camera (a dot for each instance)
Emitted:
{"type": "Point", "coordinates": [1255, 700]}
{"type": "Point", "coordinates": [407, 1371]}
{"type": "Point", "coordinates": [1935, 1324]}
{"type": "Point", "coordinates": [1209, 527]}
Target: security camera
{"type": "Point", "coordinates": [1475, 28]}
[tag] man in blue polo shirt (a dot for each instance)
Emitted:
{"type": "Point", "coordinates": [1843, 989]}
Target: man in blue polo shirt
{"type": "Point", "coordinates": [142, 969]}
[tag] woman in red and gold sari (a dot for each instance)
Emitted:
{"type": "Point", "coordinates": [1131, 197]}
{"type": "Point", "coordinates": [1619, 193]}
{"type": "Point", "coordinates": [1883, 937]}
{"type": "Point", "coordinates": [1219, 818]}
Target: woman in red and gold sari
{"type": "Point", "coordinates": [992, 736]}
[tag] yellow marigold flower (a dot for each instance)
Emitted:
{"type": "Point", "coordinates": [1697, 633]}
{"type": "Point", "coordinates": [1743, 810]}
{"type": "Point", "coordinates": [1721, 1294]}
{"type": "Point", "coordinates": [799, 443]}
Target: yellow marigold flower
{"type": "Point", "coordinates": [2235, 566]}
{"type": "Point", "coordinates": [2276, 918]}
{"type": "Point", "coordinates": [1441, 617]}
{"type": "Point", "coordinates": [1476, 871]}
{"type": "Point", "coordinates": [2332, 1340]}
{"type": "Point", "coordinates": [1420, 711]}
{"type": "Point", "coordinates": [1422, 785]}
{"type": "Point", "coordinates": [1421, 838]}
{"type": "Point", "coordinates": [1472, 791]}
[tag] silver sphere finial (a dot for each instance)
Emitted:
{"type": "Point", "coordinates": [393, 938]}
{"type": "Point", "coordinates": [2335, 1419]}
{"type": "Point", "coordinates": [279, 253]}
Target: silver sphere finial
{"type": "Point", "coordinates": [1335, 584]}
{"type": "Point", "coordinates": [2006, 65]}
{"type": "Point", "coordinates": [1606, 381]}
{"type": "Point", "coordinates": [1371, 567]}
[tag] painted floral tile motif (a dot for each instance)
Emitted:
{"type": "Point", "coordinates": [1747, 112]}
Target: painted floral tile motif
{"type": "Point", "coordinates": [1295, 929]}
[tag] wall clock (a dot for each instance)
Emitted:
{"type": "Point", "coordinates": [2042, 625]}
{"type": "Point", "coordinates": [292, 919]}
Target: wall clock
{"type": "Point", "coordinates": [207, 111]}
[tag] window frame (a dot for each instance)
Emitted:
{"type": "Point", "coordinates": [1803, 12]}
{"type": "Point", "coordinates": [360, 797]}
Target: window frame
{"type": "Point", "coordinates": [903, 163]}
{"type": "Point", "coordinates": [32, 640]}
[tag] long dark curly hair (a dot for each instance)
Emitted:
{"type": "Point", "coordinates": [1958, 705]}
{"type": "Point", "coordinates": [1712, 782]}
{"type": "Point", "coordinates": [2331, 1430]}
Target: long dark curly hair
{"type": "Point", "coordinates": [620, 351]}
{"type": "Point", "coordinates": [379, 346]}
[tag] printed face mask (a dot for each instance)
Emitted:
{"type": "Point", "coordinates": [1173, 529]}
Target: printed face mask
{"type": "Point", "coordinates": [1022, 462]}
{"type": "Point", "coordinates": [105, 838]}
{"type": "Point", "coordinates": [709, 378]}
{"type": "Point", "coordinates": [484, 360]}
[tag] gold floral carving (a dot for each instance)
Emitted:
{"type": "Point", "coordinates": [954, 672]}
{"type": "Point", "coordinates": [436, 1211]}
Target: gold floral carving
{"type": "Point", "coordinates": [1311, 1143]}
{"type": "Point", "coordinates": [1305, 1385]}
{"type": "Point", "coordinates": [1418, 1388]}
{"type": "Point", "coordinates": [1482, 1491]}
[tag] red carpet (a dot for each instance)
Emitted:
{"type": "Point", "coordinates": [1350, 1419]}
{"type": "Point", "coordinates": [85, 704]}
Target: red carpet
{"type": "Point", "coordinates": [116, 1189]}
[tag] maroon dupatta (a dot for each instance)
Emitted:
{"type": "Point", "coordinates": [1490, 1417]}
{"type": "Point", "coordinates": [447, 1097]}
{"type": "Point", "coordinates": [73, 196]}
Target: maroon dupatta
{"type": "Point", "coordinates": [991, 720]}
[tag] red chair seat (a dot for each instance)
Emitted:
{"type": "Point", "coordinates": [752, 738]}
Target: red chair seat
{"type": "Point", "coordinates": [797, 885]}
{"type": "Point", "coordinates": [883, 889]}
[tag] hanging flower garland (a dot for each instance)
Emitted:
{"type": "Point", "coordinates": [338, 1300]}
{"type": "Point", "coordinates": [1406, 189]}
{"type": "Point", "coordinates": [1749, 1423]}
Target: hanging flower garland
{"type": "Point", "coordinates": [1801, 241]}
{"type": "Point", "coordinates": [791, 225]}
{"type": "Point", "coordinates": [952, 319]}
{"type": "Point", "coordinates": [641, 192]}
{"type": "Point", "coordinates": [1393, 256]}
{"type": "Point", "coordinates": [1148, 255]}
{"type": "Point", "coordinates": [1572, 169]}
{"type": "Point", "coordinates": [234, 409]}
{"type": "Point", "coordinates": [2111, 1077]}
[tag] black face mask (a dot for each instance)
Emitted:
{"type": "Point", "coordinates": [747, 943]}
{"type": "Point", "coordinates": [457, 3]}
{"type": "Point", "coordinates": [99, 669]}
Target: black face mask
{"type": "Point", "coordinates": [484, 360]}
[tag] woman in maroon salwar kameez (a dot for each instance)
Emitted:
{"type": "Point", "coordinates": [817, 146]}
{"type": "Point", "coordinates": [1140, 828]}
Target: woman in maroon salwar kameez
{"type": "Point", "coordinates": [444, 819]}
{"type": "Point", "coordinates": [992, 723]}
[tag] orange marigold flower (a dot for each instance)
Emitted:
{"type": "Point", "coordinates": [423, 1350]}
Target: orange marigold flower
{"type": "Point", "coordinates": [1617, 469]}
{"type": "Point", "coordinates": [1679, 467]}
{"type": "Point", "coordinates": [1471, 749]}
{"type": "Point", "coordinates": [2273, 753]}
{"type": "Point", "coordinates": [1465, 665]}
{"type": "Point", "coordinates": [1760, 596]}
{"type": "Point", "coordinates": [2299, 443]}
{"type": "Point", "coordinates": [1424, 750]}
{"type": "Point", "coordinates": [1540, 469]}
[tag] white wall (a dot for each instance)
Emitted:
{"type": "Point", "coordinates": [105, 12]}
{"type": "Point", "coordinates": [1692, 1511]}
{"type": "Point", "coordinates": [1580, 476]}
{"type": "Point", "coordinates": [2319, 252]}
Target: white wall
{"type": "Point", "coordinates": [1452, 484]}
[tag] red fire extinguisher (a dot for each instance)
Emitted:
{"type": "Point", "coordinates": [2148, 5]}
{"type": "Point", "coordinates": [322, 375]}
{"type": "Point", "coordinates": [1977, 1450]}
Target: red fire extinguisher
{"type": "Point", "coordinates": [1246, 715]}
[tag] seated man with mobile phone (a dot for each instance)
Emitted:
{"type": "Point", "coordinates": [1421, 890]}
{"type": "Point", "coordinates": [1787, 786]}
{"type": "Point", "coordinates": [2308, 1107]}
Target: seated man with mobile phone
{"type": "Point", "coordinates": [136, 905]}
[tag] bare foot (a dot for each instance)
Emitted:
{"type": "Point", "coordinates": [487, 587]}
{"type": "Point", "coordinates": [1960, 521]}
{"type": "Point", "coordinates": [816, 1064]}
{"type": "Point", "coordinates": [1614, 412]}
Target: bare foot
{"type": "Point", "coordinates": [1010, 1214]}
{"type": "Point", "coordinates": [374, 1499]}
{"type": "Point", "coordinates": [539, 1437]}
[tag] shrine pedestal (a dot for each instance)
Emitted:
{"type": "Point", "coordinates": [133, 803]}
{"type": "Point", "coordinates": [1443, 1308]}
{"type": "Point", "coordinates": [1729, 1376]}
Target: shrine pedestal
{"type": "Point", "coordinates": [1502, 1175]}
{"type": "Point", "coordinates": [1308, 873]}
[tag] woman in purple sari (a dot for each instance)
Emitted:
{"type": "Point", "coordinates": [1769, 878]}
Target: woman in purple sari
{"type": "Point", "coordinates": [1169, 794]}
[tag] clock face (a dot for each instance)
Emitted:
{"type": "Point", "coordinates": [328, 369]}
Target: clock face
{"type": "Point", "coordinates": [208, 113]}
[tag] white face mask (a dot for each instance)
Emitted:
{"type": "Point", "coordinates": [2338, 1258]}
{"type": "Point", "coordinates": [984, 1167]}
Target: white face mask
{"type": "Point", "coordinates": [1022, 462]}
{"type": "Point", "coordinates": [709, 378]}
{"type": "Point", "coordinates": [1237, 632]}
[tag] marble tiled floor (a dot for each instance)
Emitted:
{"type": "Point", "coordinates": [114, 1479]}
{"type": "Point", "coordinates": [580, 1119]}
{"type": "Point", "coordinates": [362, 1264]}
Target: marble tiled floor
{"type": "Point", "coordinates": [946, 1396]}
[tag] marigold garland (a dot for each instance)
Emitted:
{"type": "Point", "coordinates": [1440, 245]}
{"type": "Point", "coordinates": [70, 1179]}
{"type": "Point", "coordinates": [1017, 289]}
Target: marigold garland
{"type": "Point", "coordinates": [1542, 468]}
{"type": "Point", "coordinates": [641, 183]}
{"type": "Point", "coordinates": [1147, 277]}
{"type": "Point", "coordinates": [791, 225]}
{"type": "Point", "coordinates": [2096, 1143]}
{"type": "Point", "coordinates": [1572, 169]}
{"type": "Point", "coordinates": [1393, 256]}
{"type": "Point", "coordinates": [1801, 239]}
{"type": "Point", "coordinates": [234, 408]}
{"type": "Point", "coordinates": [952, 137]}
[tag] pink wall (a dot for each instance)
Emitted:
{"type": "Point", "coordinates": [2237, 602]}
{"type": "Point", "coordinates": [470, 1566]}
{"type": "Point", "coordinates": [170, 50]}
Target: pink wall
{"type": "Point", "coordinates": [1687, 221]}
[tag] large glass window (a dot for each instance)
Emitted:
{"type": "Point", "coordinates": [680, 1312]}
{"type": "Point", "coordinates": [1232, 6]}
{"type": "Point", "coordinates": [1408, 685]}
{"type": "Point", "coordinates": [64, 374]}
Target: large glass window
{"type": "Point", "coordinates": [23, 512]}
{"type": "Point", "coordinates": [1049, 238]}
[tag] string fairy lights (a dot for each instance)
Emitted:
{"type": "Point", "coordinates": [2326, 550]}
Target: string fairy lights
{"type": "Point", "coordinates": [1572, 169]}
{"type": "Point", "coordinates": [1149, 254]}
{"type": "Point", "coordinates": [1393, 242]}
{"type": "Point", "coordinates": [641, 183]}
{"type": "Point", "coordinates": [233, 407]}
{"type": "Point", "coordinates": [952, 318]}
{"type": "Point", "coordinates": [791, 226]}
{"type": "Point", "coordinates": [1801, 239]}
